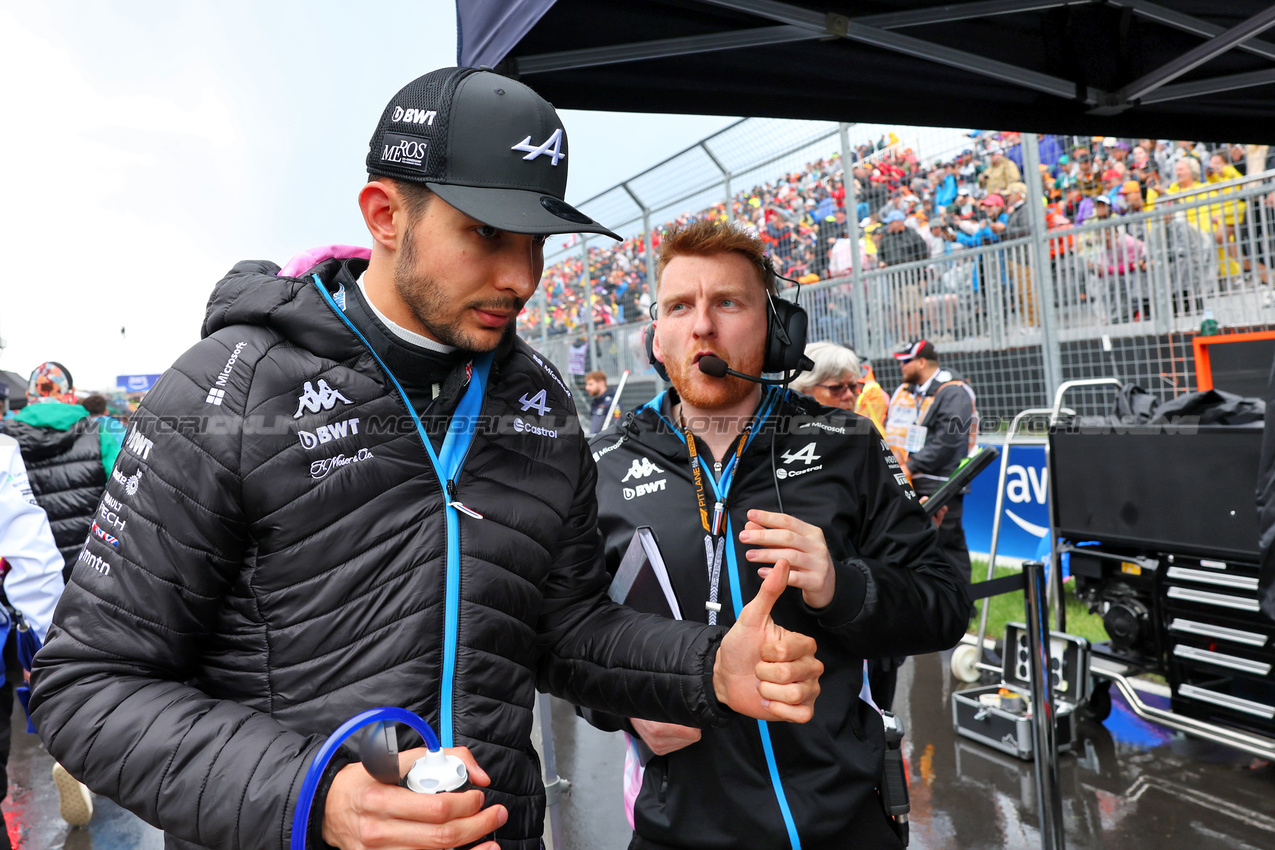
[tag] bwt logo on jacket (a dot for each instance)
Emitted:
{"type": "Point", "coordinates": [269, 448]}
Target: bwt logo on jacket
{"type": "Point", "coordinates": [325, 399]}
{"type": "Point", "coordinates": [631, 493]}
{"type": "Point", "coordinates": [139, 445]}
{"type": "Point", "coordinates": [413, 116]}
{"type": "Point", "coordinates": [329, 433]}
{"type": "Point", "coordinates": [641, 469]}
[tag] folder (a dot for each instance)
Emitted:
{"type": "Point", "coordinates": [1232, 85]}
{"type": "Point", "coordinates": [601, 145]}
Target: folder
{"type": "Point", "coordinates": [642, 580]}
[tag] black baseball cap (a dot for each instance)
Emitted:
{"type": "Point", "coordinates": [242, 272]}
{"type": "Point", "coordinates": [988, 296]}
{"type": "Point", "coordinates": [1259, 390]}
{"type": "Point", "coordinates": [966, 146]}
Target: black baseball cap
{"type": "Point", "coordinates": [488, 145]}
{"type": "Point", "coordinates": [919, 348]}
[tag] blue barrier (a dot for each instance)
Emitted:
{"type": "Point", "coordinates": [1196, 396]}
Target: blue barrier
{"type": "Point", "coordinates": [1025, 524]}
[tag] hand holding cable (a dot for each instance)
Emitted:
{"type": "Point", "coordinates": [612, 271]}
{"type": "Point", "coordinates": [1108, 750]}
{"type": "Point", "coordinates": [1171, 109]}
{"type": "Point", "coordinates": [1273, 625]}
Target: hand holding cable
{"type": "Point", "coordinates": [366, 807]}
{"type": "Point", "coordinates": [763, 670]}
{"type": "Point", "coordinates": [362, 812]}
{"type": "Point", "coordinates": [802, 545]}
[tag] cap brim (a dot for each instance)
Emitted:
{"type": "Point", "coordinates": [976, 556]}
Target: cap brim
{"type": "Point", "coordinates": [518, 210]}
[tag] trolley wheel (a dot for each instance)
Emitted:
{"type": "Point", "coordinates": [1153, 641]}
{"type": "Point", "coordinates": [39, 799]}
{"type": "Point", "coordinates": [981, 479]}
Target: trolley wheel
{"type": "Point", "coordinates": [964, 664]}
{"type": "Point", "coordinates": [1099, 706]}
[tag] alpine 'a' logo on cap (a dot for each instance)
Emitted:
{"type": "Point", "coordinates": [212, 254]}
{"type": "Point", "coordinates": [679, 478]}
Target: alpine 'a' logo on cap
{"type": "Point", "coordinates": [552, 147]}
{"type": "Point", "coordinates": [410, 151]}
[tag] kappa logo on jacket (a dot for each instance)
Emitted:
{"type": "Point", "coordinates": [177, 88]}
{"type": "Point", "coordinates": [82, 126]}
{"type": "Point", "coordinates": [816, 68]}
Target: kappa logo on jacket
{"type": "Point", "coordinates": [641, 468]}
{"type": "Point", "coordinates": [325, 399]}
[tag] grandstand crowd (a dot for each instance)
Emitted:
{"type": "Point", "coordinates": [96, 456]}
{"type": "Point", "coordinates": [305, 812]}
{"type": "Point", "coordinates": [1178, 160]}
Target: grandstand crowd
{"type": "Point", "coordinates": [911, 209]}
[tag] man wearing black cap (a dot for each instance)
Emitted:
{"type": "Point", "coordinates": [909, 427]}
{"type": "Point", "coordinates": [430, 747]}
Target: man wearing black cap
{"type": "Point", "coordinates": [361, 489]}
{"type": "Point", "coordinates": [931, 427]}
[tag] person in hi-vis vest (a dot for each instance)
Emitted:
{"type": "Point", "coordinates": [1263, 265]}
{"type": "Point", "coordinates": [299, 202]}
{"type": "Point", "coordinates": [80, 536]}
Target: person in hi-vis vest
{"type": "Point", "coordinates": [931, 427]}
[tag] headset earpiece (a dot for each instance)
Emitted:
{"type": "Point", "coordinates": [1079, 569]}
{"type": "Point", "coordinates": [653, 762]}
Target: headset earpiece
{"type": "Point", "coordinates": [785, 336]}
{"type": "Point", "coordinates": [648, 341]}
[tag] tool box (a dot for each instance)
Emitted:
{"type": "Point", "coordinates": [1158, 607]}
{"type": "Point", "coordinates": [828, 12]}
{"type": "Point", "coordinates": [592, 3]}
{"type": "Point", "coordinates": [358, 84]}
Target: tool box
{"type": "Point", "coordinates": [1000, 716]}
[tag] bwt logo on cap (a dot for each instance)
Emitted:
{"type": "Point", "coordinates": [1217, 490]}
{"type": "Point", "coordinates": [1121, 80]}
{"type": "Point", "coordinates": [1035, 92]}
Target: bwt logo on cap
{"type": "Point", "coordinates": [414, 116]}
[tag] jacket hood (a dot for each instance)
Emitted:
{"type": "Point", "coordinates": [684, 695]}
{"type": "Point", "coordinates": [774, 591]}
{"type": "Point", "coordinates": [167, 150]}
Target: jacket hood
{"type": "Point", "coordinates": [254, 293]}
{"type": "Point", "coordinates": [55, 415]}
{"type": "Point", "coordinates": [258, 292]}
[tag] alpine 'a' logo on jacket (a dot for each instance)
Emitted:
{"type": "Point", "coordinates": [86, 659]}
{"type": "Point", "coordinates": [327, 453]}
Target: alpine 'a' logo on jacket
{"type": "Point", "coordinates": [325, 399]}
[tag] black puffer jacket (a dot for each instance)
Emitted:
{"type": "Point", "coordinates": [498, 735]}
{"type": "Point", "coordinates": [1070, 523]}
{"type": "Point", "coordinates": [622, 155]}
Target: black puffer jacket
{"type": "Point", "coordinates": [281, 570]}
{"type": "Point", "coordinates": [896, 594]}
{"type": "Point", "coordinates": [67, 477]}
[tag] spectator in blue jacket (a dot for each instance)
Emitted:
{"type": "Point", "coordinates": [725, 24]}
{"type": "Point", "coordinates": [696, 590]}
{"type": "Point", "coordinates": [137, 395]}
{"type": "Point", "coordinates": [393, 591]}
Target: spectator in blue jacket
{"type": "Point", "coordinates": [945, 192]}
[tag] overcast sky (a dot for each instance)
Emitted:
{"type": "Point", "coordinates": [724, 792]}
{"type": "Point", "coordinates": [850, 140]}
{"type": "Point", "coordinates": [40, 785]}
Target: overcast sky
{"type": "Point", "coordinates": [148, 146]}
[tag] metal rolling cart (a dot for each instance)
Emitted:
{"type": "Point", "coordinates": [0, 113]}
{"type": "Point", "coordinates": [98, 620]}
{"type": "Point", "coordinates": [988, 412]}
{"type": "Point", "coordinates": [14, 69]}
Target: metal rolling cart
{"type": "Point", "coordinates": [967, 661]}
{"type": "Point", "coordinates": [1042, 590]}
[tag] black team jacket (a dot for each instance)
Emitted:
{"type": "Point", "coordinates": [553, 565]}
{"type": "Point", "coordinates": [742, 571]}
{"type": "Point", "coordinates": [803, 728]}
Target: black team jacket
{"type": "Point", "coordinates": [895, 595]}
{"type": "Point", "coordinates": [281, 570]}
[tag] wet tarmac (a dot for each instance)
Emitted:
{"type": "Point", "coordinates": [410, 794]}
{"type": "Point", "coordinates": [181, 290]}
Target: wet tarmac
{"type": "Point", "coordinates": [1127, 784]}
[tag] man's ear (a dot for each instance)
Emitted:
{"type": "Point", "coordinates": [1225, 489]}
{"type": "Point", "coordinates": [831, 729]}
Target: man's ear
{"type": "Point", "coordinates": [383, 213]}
{"type": "Point", "coordinates": [655, 341]}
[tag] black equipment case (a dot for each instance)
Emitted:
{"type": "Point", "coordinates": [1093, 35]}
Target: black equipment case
{"type": "Point", "coordinates": [981, 714]}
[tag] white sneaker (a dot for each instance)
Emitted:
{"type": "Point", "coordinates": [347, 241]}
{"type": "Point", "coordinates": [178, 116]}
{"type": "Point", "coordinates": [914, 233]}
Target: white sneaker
{"type": "Point", "coordinates": [77, 800]}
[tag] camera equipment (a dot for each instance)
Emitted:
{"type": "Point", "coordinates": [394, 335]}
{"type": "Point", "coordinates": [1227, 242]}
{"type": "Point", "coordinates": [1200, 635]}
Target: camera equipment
{"type": "Point", "coordinates": [1174, 576]}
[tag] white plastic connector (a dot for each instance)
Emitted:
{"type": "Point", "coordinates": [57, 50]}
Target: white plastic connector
{"type": "Point", "coordinates": [437, 772]}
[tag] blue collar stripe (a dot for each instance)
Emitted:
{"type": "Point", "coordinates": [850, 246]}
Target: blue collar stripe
{"type": "Point", "coordinates": [732, 569]}
{"type": "Point", "coordinates": [455, 447]}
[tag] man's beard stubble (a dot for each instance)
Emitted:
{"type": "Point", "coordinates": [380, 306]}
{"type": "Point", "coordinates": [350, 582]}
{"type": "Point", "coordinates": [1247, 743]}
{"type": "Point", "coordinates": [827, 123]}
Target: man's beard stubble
{"type": "Point", "coordinates": [439, 315]}
{"type": "Point", "coordinates": [706, 393]}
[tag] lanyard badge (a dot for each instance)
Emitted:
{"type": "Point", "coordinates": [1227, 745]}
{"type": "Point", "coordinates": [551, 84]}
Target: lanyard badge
{"type": "Point", "coordinates": [714, 524]}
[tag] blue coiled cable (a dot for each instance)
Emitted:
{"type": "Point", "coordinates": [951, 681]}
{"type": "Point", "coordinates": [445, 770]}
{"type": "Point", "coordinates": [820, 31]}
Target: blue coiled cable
{"type": "Point", "coordinates": [305, 800]}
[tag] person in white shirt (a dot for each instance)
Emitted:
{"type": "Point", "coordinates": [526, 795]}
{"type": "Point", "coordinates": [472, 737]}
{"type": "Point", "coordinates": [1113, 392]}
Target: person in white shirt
{"type": "Point", "coordinates": [32, 584]}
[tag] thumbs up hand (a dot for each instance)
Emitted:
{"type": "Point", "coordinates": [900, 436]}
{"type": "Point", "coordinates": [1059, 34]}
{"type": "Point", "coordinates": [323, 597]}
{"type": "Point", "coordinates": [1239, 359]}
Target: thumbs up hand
{"type": "Point", "coordinates": [762, 669]}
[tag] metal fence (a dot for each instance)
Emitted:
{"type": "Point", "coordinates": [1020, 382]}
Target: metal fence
{"type": "Point", "coordinates": [1119, 297]}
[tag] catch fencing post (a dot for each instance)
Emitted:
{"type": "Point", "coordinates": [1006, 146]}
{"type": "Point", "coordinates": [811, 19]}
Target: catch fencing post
{"type": "Point", "coordinates": [858, 292]}
{"type": "Point", "coordinates": [588, 303]}
{"type": "Point", "coordinates": [730, 203]}
{"type": "Point", "coordinates": [1042, 274]}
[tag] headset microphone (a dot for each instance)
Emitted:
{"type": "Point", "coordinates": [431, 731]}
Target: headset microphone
{"type": "Point", "coordinates": [716, 367]}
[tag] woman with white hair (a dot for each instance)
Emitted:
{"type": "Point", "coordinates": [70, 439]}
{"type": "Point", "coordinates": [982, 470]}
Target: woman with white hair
{"type": "Point", "coordinates": [835, 379]}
